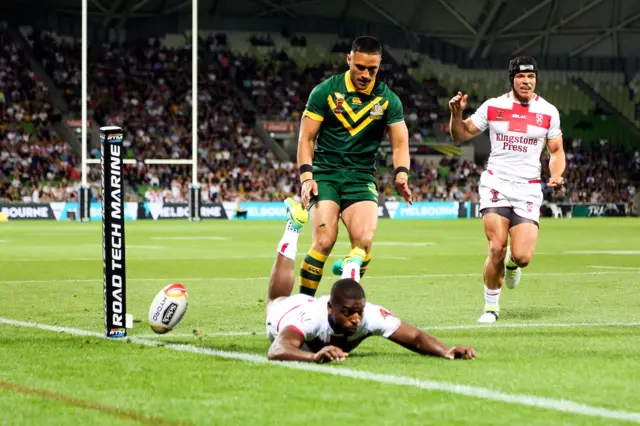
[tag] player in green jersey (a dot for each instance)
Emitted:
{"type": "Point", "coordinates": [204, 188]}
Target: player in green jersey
{"type": "Point", "coordinates": [341, 130]}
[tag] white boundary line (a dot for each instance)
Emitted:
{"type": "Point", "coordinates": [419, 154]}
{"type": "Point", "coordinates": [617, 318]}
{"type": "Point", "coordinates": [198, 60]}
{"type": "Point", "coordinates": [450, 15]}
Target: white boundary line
{"type": "Point", "coordinates": [204, 334]}
{"type": "Point", "coordinates": [426, 328]}
{"type": "Point", "coordinates": [372, 277]}
{"type": "Point", "coordinates": [541, 325]}
{"type": "Point", "coordinates": [612, 252]}
{"type": "Point", "coordinates": [150, 259]}
{"type": "Point", "coordinates": [561, 405]}
{"type": "Point", "coordinates": [189, 238]}
{"type": "Point", "coordinates": [621, 268]}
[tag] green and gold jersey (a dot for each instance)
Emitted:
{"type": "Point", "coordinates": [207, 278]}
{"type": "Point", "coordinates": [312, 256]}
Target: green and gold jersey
{"type": "Point", "coordinates": [353, 122]}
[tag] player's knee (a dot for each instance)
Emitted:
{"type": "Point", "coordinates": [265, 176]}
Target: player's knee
{"type": "Point", "coordinates": [497, 251]}
{"type": "Point", "coordinates": [522, 259]}
{"type": "Point", "coordinates": [324, 242]}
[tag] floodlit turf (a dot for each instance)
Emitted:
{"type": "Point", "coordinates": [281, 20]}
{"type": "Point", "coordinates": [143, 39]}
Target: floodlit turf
{"type": "Point", "coordinates": [427, 272]}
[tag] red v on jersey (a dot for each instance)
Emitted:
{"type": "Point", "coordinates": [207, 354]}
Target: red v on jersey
{"type": "Point", "coordinates": [519, 117]}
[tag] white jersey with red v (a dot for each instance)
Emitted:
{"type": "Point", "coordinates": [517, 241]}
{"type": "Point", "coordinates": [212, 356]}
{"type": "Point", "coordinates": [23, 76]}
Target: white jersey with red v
{"type": "Point", "coordinates": [518, 134]}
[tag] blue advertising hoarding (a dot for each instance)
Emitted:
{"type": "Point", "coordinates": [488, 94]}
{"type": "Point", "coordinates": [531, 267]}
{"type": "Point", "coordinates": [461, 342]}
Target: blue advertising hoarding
{"type": "Point", "coordinates": [424, 210]}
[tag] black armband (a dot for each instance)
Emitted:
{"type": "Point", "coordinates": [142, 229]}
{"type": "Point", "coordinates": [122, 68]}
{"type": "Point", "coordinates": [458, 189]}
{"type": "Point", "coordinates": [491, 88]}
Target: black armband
{"type": "Point", "coordinates": [306, 168]}
{"type": "Point", "coordinates": [400, 169]}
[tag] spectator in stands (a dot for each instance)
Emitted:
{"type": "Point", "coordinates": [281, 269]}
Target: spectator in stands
{"type": "Point", "coordinates": [145, 87]}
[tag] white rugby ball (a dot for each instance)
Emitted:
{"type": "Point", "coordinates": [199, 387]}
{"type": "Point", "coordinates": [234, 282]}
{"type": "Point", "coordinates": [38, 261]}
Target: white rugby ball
{"type": "Point", "coordinates": [168, 308]}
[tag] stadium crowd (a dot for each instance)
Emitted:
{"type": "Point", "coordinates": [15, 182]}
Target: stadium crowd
{"type": "Point", "coordinates": [145, 88]}
{"type": "Point", "coordinates": [35, 163]}
{"type": "Point", "coordinates": [280, 88]}
{"type": "Point", "coordinates": [595, 174]}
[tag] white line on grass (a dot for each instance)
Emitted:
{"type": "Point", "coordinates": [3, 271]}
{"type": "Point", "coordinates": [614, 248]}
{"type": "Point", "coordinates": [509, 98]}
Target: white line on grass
{"type": "Point", "coordinates": [150, 259]}
{"type": "Point", "coordinates": [191, 238]}
{"type": "Point", "coordinates": [147, 247]}
{"type": "Point", "coordinates": [55, 259]}
{"type": "Point", "coordinates": [561, 405]}
{"type": "Point", "coordinates": [426, 328]}
{"type": "Point", "coordinates": [623, 252]}
{"type": "Point", "coordinates": [204, 334]}
{"type": "Point", "coordinates": [622, 268]}
{"type": "Point", "coordinates": [386, 257]}
{"type": "Point", "coordinates": [67, 232]}
{"type": "Point", "coordinates": [397, 243]}
{"type": "Point", "coordinates": [538, 325]}
{"type": "Point", "coordinates": [372, 277]}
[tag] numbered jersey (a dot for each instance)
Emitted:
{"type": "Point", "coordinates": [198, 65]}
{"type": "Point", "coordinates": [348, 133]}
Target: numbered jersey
{"type": "Point", "coordinates": [519, 133]}
{"type": "Point", "coordinates": [309, 317]}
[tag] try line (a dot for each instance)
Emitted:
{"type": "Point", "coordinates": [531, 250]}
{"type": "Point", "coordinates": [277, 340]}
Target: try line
{"type": "Point", "coordinates": [185, 281]}
{"type": "Point", "coordinates": [562, 405]}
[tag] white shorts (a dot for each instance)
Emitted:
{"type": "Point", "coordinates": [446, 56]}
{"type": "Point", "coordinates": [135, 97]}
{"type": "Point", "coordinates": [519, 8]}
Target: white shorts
{"type": "Point", "coordinates": [523, 197]}
{"type": "Point", "coordinates": [277, 309]}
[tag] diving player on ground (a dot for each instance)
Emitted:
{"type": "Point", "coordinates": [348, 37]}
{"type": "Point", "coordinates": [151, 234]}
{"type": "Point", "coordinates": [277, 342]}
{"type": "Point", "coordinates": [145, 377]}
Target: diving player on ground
{"type": "Point", "coordinates": [521, 124]}
{"type": "Point", "coordinates": [303, 328]}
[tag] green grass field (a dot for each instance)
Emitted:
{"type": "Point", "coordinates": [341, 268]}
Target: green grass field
{"type": "Point", "coordinates": [565, 351]}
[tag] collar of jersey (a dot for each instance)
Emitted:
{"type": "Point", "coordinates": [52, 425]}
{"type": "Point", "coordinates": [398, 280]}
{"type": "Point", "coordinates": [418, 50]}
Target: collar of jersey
{"type": "Point", "coordinates": [351, 88]}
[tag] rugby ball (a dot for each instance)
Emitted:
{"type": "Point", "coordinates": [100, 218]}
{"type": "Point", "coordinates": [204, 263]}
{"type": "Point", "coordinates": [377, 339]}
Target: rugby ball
{"type": "Point", "coordinates": [168, 308]}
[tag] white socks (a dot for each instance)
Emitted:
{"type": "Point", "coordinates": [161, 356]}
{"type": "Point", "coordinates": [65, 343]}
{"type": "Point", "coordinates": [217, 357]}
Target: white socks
{"type": "Point", "coordinates": [491, 298]}
{"type": "Point", "coordinates": [353, 263]}
{"type": "Point", "coordinates": [351, 270]}
{"type": "Point", "coordinates": [288, 245]}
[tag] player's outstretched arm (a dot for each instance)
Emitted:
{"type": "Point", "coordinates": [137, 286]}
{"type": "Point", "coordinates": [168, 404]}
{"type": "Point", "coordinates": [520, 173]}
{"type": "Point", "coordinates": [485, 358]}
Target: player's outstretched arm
{"type": "Point", "coordinates": [418, 341]}
{"type": "Point", "coordinates": [461, 130]}
{"type": "Point", "coordinates": [287, 346]}
{"type": "Point", "coordinates": [309, 129]}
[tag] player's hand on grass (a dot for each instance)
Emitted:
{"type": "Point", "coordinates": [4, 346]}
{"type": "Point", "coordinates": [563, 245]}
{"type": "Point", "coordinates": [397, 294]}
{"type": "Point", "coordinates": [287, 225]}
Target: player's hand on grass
{"type": "Point", "coordinates": [329, 354]}
{"type": "Point", "coordinates": [402, 184]}
{"type": "Point", "coordinates": [555, 182]}
{"type": "Point", "coordinates": [309, 189]}
{"type": "Point", "coordinates": [461, 352]}
{"type": "Point", "coordinates": [458, 103]}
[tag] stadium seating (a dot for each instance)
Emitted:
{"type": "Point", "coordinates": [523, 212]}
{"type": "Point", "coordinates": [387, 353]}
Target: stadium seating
{"type": "Point", "coordinates": [145, 87]}
{"type": "Point", "coordinates": [279, 75]}
{"type": "Point", "coordinates": [596, 173]}
{"type": "Point", "coordinates": [576, 108]}
{"type": "Point", "coordinates": [35, 163]}
{"type": "Point", "coordinates": [555, 86]}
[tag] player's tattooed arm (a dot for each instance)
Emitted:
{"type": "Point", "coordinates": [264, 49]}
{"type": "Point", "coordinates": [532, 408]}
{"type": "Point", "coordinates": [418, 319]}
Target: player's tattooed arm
{"type": "Point", "coordinates": [557, 162]}
{"type": "Point", "coordinates": [418, 341]}
{"type": "Point", "coordinates": [287, 346]}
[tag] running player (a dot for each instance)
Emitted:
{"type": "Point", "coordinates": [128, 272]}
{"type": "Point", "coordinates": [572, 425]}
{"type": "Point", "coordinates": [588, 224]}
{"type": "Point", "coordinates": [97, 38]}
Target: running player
{"type": "Point", "coordinates": [341, 130]}
{"type": "Point", "coordinates": [521, 124]}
